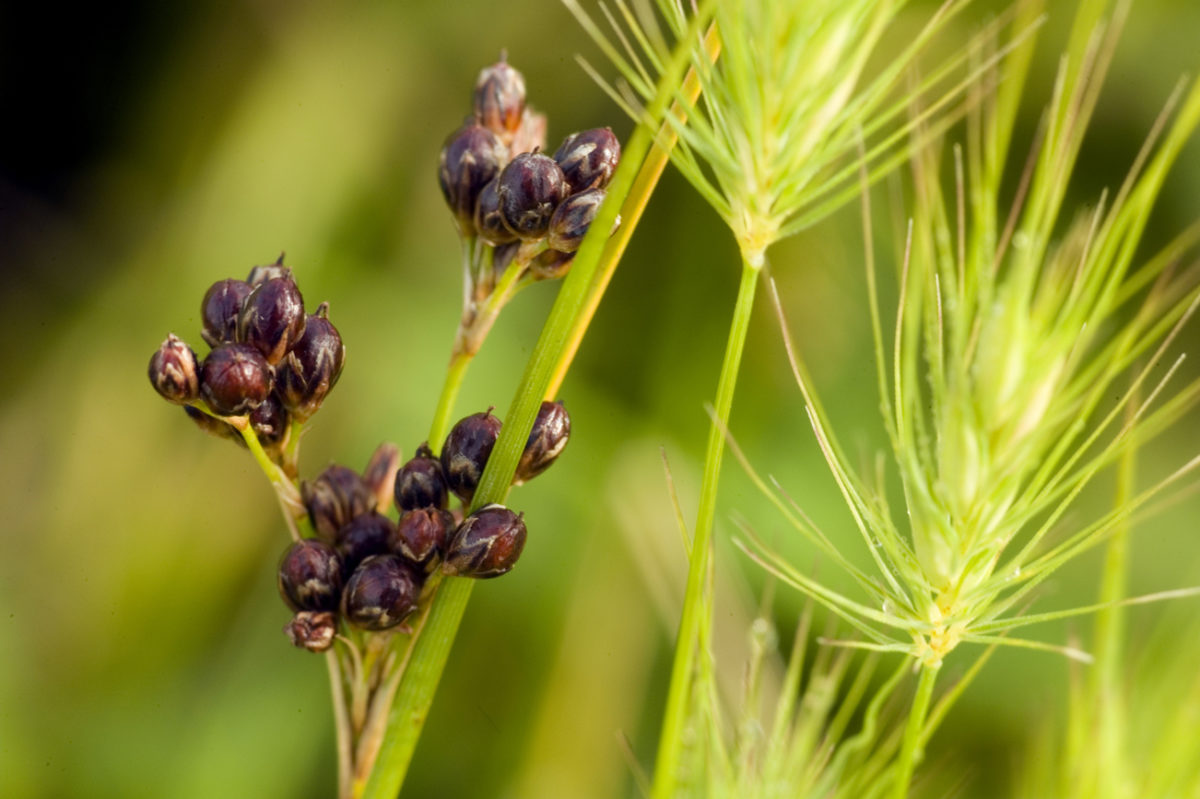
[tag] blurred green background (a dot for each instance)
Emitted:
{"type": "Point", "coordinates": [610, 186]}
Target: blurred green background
{"type": "Point", "coordinates": [151, 149]}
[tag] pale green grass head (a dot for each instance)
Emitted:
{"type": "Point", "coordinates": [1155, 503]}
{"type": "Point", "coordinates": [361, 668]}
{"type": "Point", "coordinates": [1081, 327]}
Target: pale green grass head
{"type": "Point", "coordinates": [1018, 323]}
{"type": "Point", "coordinates": [788, 110]}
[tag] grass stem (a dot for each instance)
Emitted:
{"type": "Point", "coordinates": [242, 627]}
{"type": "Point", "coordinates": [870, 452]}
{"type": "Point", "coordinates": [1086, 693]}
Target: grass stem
{"type": "Point", "coordinates": [671, 737]}
{"type": "Point", "coordinates": [911, 750]}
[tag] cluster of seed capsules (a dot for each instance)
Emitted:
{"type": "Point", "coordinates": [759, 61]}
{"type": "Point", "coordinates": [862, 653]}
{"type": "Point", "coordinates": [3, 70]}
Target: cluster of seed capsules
{"type": "Point", "coordinates": [271, 362]}
{"type": "Point", "coordinates": [504, 191]}
{"type": "Point", "coordinates": [370, 570]}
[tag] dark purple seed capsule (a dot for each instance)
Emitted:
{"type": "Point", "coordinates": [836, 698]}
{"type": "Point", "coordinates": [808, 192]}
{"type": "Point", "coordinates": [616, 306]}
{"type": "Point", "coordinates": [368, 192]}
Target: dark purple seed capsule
{"type": "Point", "coordinates": [173, 371]}
{"type": "Point", "coordinates": [335, 498]}
{"type": "Point", "coordinates": [272, 318]}
{"type": "Point", "coordinates": [552, 265]}
{"type": "Point", "coordinates": [549, 436]}
{"type": "Point", "coordinates": [310, 576]}
{"type": "Point", "coordinates": [589, 158]}
{"type": "Point", "coordinates": [271, 422]}
{"type": "Point", "coordinates": [219, 310]}
{"type": "Point", "coordinates": [572, 219]}
{"type": "Point", "coordinates": [366, 535]}
{"type": "Point", "coordinates": [213, 426]}
{"type": "Point", "coordinates": [312, 630]}
{"type": "Point", "coordinates": [471, 157]}
{"type": "Point", "coordinates": [486, 544]}
{"type": "Point", "coordinates": [466, 452]}
{"type": "Point", "coordinates": [500, 99]}
{"type": "Point", "coordinates": [488, 223]}
{"type": "Point", "coordinates": [310, 371]}
{"type": "Point", "coordinates": [380, 474]}
{"type": "Point", "coordinates": [381, 593]}
{"type": "Point", "coordinates": [530, 188]}
{"type": "Point", "coordinates": [420, 483]}
{"type": "Point", "coordinates": [531, 136]}
{"type": "Point", "coordinates": [421, 535]}
{"type": "Point", "coordinates": [261, 274]}
{"type": "Point", "coordinates": [235, 379]}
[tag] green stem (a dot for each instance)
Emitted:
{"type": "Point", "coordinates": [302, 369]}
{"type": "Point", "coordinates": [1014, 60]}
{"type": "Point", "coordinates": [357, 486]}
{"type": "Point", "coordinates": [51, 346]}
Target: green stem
{"type": "Point", "coordinates": [555, 347]}
{"type": "Point", "coordinates": [670, 740]}
{"type": "Point", "coordinates": [912, 750]}
{"type": "Point", "coordinates": [341, 722]}
{"type": "Point", "coordinates": [444, 412]}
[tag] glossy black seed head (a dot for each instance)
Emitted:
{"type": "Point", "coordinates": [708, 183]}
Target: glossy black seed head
{"type": "Point", "coordinates": [549, 436]}
{"type": "Point", "coordinates": [312, 630]}
{"type": "Point", "coordinates": [530, 188]}
{"type": "Point", "coordinates": [334, 498]}
{"type": "Point", "coordinates": [380, 474]}
{"type": "Point", "coordinates": [421, 535]}
{"type": "Point", "coordinates": [271, 422]}
{"type": "Point", "coordinates": [261, 274]}
{"type": "Point", "coordinates": [572, 219]}
{"type": "Point", "coordinates": [552, 265]}
{"type": "Point", "coordinates": [420, 483]}
{"type": "Point", "coordinates": [310, 576]}
{"type": "Point", "coordinates": [470, 158]}
{"type": "Point", "coordinates": [219, 310]}
{"type": "Point", "coordinates": [174, 372]}
{"type": "Point", "coordinates": [589, 158]}
{"type": "Point", "coordinates": [381, 593]}
{"type": "Point", "coordinates": [311, 369]}
{"type": "Point", "coordinates": [272, 318]}
{"type": "Point", "coordinates": [488, 222]}
{"type": "Point", "coordinates": [369, 534]}
{"type": "Point", "coordinates": [486, 544]}
{"type": "Point", "coordinates": [213, 426]}
{"type": "Point", "coordinates": [531, 136]}
{"type": "Point", "coordinates": [500, 99]}
{"type": "Point", "coordinates": [235, 379]}
{"type": "Point", "coordinates": [466, 452]}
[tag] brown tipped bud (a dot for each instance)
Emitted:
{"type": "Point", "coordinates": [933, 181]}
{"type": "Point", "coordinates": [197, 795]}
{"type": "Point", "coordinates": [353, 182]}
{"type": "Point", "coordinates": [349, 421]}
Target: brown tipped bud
{"type": "Point", "coordinates": [213, 426]}
{"type": "Point", "coordinates": [500, 99]}
{"type": "Point", "coordinates": [271, 422]}
{"type": "Point", "coordinates": [531, 136]}
{"type": "Point", "coordinates": [421, 535]}
{"type": "Point", "coordinates": [261, 274]}
{"type": "Point", "coordinates": [310, 576]}
{"type": "Point", "coordinates": [530, 188]}
{"type": "Point", "coordinates": [334, 498]}
{"type": "Point", "coordinates": [173, 371]}
{"type": "Point", "coordinates": [272, 318]}
{"type": "Point", "coordinates": [381, 593]}
{"type": "Point", "coordinates": [547, 439]}
{"type": "Point", "coordinates": [471, 157]}
{"type": "Point", "coordinates": [466, 452]}
{"type": "Point", "coordinates": [486, 544]}
{"type": "Point", "coordinates": [312, 630]}
{"type": "Point", "coordinates": [219, 310]}
{"type": "Point", "coordinates": [572, 219]}
{"type": "Point", "coordinates": [380, 474]}
{"type": "Point", "coordinates": [235, 379]}
{"type": "Point", "coordinates": [369, 534]}
{"type": "Point", "coordinates": [420, 483]}
{"type": "Point", "coordinates": [310, 371]}
{"type": "Point", "coordinates": [488, 222]}
{"type": "Point", "coordinates": [589, 158]}
{"type": "Point", "coordinates": [552, 265]}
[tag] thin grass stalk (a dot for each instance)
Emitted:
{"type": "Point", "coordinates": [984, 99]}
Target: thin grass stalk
{"type": "Point", "coordinates": [567, 318]}
{"type": "Point", "coordinates": [912, 748]}
{"type": "Point", "coordinates": [675, 715]}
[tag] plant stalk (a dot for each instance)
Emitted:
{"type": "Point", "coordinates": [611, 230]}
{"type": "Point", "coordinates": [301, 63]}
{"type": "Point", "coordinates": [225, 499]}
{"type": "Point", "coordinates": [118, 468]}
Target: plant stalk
{"type": "Point", "coordinates": [670, 740]}
{"type": "Point", "coordinates": [912, 749]}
